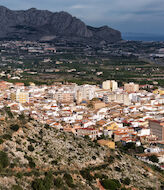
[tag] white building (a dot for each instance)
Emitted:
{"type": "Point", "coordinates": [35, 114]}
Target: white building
{"type": "Point", "coordinates": [110, 85]}
{"type": "Point", "coordinates": [87, 92]}
{"type": "Point", "coordinates": [121, 98]}
{"type": "Point", "coordinates": [22, 97]}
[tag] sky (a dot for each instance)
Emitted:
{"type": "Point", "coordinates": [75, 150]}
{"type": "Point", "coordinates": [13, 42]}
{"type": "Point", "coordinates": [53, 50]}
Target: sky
{"type": "Point", "coordinates": [137, 16]}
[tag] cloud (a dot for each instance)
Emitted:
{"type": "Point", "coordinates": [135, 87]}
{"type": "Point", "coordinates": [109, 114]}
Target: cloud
{"type": "Point", "coordinates": [78, 6]}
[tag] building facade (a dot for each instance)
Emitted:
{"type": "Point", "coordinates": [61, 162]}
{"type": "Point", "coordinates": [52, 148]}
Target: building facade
{"type": "Point", "coordinates": [110, 85]}
{"type": "Point", "coordinates": [131, 87]}
{"type": "Point", "coordinates": [157, 128]}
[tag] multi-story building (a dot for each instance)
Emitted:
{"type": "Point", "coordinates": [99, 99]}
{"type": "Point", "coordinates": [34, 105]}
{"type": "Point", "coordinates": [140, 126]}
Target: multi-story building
{"type": "Point", "coordinates": [79, 97]}
{"type": "Point", "coordinates": [114, 85]}
{"type": "Point", "coordinates": [106, 85]}
{"type": "Point", "coordinates": [98, 105]}
{"type": "Point", "coordinates": [110, 85]}
{"type": "Point", "coordinates": [87, 92]}
{"type": "Point", "coordinates": [131, 87]}
{"type": "Point", "coordinates": [157, 128]}
{"type": "Point", "coordinates": [121, 98]}
{"type": "Point", "coordinates": [64, 97]}
{"type": "Point", "coordinates": [92, 133]}
{"type": "Point", "coordinates": [22, 97]}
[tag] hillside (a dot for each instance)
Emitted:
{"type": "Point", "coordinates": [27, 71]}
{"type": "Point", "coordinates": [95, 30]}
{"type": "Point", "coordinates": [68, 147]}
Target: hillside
{"type": "Point", "coordinates": [36, 24]}
{"type": "Point", "coordinates": [38, 157]}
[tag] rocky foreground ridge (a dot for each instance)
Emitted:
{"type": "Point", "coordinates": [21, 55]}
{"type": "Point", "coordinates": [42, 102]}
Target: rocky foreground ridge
{"type": "Point", "coordinates": [36, 24]}
{"type": "Point", "coordinates": [38, 157]}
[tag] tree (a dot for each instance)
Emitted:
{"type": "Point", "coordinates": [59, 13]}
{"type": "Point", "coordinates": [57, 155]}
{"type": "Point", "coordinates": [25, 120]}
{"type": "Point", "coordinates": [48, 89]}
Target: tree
{"type": "Point", "coordinates": [8, 111]}
{"type": "Point", "coordinates": [7, 136]}
{"type": "Point", "coordinates": [16, 187]}
{"type": "Point", "coordinates": [43, 184]}
{"type": "Point", "coordinates": [58, 182]}
{"type": "Point", "coordinates": [14, 127]}
{"type": "Point", "coordinates": [126, 181]}
{"type": "Point", "coordinates": [153, 158]}
{"type": "Point", "coordinates": [111, 184]}
{"type": "Point", "coordinates": [69, 180]}
{"type": "Point", "coordinates": [22, 117]}
{"type": "Point", "coordinates": [38, 185]}
{"type": "Point", "coordinates": [48, 180]}
{"type": "Point", "coordinates": [4, 161]}
{"type": "Point", "coordinates": [32, 164]}
{"type": "Point", "coordinates": [86, 174]}
{"type": "Point", "coordinates": [30, 148]}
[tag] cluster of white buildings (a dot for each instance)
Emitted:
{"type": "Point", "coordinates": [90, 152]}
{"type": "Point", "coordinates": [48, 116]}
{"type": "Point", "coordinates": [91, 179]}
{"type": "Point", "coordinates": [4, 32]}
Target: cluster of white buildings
{"type": "Point", "coordinates": [122, 114]}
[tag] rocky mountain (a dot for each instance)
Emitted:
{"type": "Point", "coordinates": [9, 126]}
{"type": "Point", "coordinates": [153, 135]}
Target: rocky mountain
{"type": "Point", "coordinates": [36, 24]}
{"type": "Point", "coordinates": [34, 156]}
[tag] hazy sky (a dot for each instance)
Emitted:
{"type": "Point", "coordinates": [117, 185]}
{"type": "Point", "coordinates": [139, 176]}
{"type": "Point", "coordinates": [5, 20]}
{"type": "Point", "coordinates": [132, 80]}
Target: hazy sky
{"type": "Point", "coordinates": [144, 16]}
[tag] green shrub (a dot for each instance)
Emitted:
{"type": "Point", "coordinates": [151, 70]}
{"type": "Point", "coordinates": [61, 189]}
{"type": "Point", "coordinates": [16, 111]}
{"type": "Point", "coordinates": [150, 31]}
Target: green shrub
{"type": "Point", "coordinates": [31, 148]}
{"type": "Point", "coordinates": [38, 185]}
{"type": "Point", "coordinates": [58, 182]}
{"type": "Point", "coordinates": [86, 175]}
{"type": "Point", "coordinates": [117, 169]}
{"type": "Point", "coordinates": [43, 184]}
{"type": "Point", "coordinates": [30, 160]}
{"type": "Point", "coordinates": [110, 184]}
{"type": "Point", "coordinates": [7, 137]}
{"type": "Point", "coordinates": [36, 173]}
{"type": "Point", "coordinates": [140, 149]}
{"type": "Point", "coordinates": [4, 161]}
{"type": "Point", "coordinates": [153, 158]}
{"type": "Point", "coordinates": [94, 157]}
{"type": "Point", "coordinates": [1, 141]}
{"type": "Point", "coordinates": [69, 180]}
{"type": "Point", "coordinates": [109, 159]}
{"type": "Point", "coordinates": [32, 164]}
{"type": "Point", "coordinates": [22, 117]}
{"type": "Point", "coordinates": [126, 181]}
{"type": "Point", "coordinates": [100, 176]}
{"type": "Point", "coordinates": [54, 162]}
{"type": "Point", "coordinates": [16, 187]}
{"type": "Point", "coordinates": [14, 127]}
{"type": "Point", "coordinates": [48, 180]}
{"type": "Point", "coordinates": [46, 126]}
{"type": "Point", "coordinates": [19, 149]}
{"type": "Point", "coordinates": [130, 145]}
{"type": "Point", "coordinates": [19, 175]}
{"type": "Point", "coordinates": [8, 111]}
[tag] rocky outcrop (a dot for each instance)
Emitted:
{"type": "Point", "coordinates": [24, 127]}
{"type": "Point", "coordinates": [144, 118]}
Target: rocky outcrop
{"type": "Point", "coordinates": [36, 24]}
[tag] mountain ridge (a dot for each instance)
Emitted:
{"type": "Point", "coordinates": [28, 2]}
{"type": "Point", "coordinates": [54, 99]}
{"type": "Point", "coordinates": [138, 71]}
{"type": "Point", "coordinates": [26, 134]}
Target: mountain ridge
{"type": "Point", "coordinates": [34, 24]}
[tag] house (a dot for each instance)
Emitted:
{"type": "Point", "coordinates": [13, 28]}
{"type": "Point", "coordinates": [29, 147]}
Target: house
{"type": "Point", "coordinates": [92, 133]}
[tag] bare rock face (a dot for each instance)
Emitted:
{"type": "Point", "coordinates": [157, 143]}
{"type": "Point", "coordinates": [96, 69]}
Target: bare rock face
{"type": "Point", "coordinates": [105, 33]}
{"type": "Point", "coordinates": [36, 24]}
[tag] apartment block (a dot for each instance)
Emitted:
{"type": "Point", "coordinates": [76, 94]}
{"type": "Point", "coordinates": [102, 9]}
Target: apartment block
{"type": "Point", "coordinates": [110, 85]}
{"type": "Point", "coordinates": [22, 97]}
{"type": "Point", "coordinates": [157, 128]}
{"type": "Point", "coordinates": [131, 87]}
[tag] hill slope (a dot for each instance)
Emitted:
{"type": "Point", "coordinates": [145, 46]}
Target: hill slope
{"type": "Point", "coordinates": [39, 157]}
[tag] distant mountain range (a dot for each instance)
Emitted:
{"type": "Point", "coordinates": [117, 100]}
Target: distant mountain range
{"type": "Point", "coordinates": [33, 24]}
{"type": "Point", "coordinates": [142, 36]}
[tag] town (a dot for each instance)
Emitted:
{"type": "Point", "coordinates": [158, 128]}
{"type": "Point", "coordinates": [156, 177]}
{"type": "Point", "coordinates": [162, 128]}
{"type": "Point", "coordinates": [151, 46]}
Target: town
{"type": "Point", "coordinates": [106, 113]}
